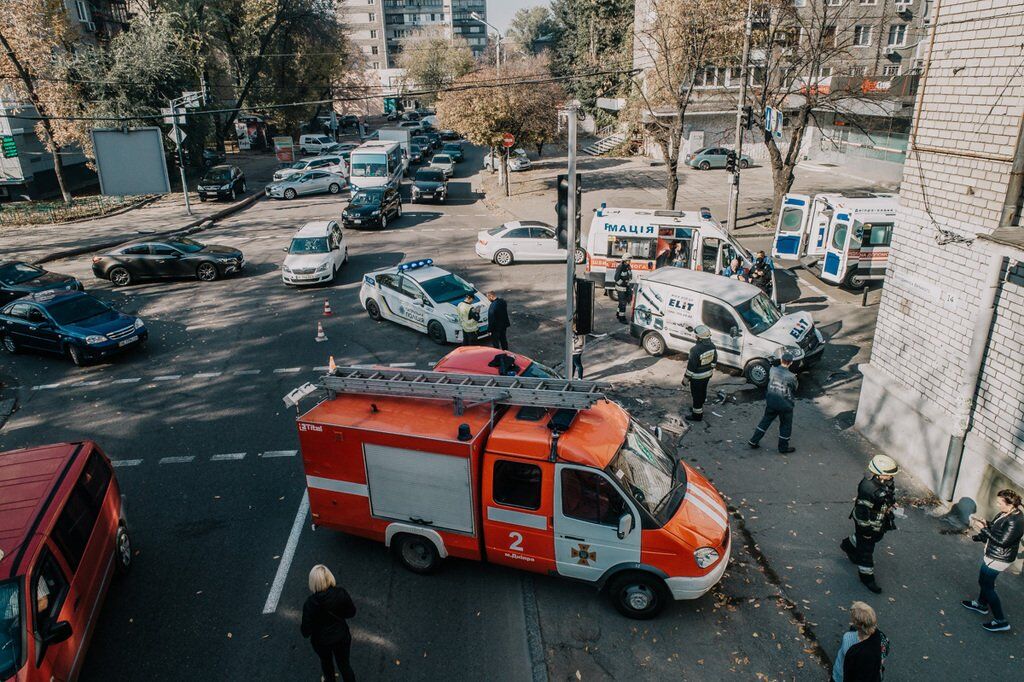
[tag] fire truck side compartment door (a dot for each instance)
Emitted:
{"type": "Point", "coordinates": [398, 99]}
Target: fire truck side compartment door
{"type": "Point", "coordinates": [423, 488]}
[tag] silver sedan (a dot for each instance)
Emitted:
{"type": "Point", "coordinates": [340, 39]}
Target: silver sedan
{"type": "Point", "coordinates": [312, 182]}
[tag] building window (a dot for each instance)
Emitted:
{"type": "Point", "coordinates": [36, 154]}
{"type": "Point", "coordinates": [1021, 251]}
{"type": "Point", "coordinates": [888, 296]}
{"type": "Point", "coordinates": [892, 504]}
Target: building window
{"type": "Point", "coordinates": [862, 36]}
{"type": "Point", "coordinates": [371, 17]}
{"type": "Point", "coordinates": [373, 33]}
{"type": "Point", "coordinates": [904, 2]}
{"type": "Point", "coordinates": [897, 34]}
{"type": "Point", "coordinates": [828, 36]}
{"type": "Point", "coordinates": [799, 3]}
{"type": "Point", "coordinates": [376, 65]}
{"type": "Point", "coordinates": [834, 3]}
{"type": "Point", "coordinates": [713, 77]}
{"type": "Point", "coordinates": [891, 70]}
{"type": "Point", "coordinates": [867, 2]}
{"type": "Point", "coordinates": [373, 50]}
{"type": "Point", "coordinates": [824, 71]}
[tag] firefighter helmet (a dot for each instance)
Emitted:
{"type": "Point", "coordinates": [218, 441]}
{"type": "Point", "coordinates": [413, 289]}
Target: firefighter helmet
{"type": "Point", "coordinates": [627, 256]}
{"type": "Point", "coordinates": [702, 331]}
{"type": "Point", "coordinates": [883, 465]}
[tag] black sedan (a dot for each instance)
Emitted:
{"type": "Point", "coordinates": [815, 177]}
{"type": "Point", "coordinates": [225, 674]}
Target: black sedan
{"type": "Point", "coordinates": [429, 184]}
{"type": "Point", "coordinates": [166, 259]}
{"type": "Point", "coordinates": [434, 137]}
{"type": "Point", "coordinates": [18, 279]}
{"type": "Point", "coordinates": [415, 154]}
{"type": "Point", "coordinates": [373, 208]}
{"type": "Point", "coordinates": [222, 182]}
{"type": "Point", "coordinates": [449, 135]}
{"type": "Point", "coordinates": [454, 150]}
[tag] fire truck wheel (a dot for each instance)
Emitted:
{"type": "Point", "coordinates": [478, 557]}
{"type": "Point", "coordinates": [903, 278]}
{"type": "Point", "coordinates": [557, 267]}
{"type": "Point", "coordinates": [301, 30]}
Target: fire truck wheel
{"type": "Point", "coordinates": [638, 595]}
{"type": "Point", "coordinates": [124, 550]}
{"type": "Point", "coordinates": [417, 553]}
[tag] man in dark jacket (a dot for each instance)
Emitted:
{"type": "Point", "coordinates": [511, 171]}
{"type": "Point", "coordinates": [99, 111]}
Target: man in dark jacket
{"type": "Point", "coordinates": [872, 516]}
{"type": "Point", "coordinates": [700, 367]}
{"type": "Point", "coordinates": [497, 320]}
{"type": "Point", "coordinates": [623, 285]}
{"type": "Point", "coordinates": [778, 403]}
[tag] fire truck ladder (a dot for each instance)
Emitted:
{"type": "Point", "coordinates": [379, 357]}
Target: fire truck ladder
{"type": "Point", "coordinates": [465, 390]}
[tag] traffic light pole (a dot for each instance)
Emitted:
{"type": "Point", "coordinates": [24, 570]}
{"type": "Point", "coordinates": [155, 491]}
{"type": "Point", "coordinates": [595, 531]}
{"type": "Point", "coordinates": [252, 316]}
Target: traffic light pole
{"type": "Point", "coordinates": [181, 161]}
{"type": "Point", "coordinates": [570, 241]}
{"type": "Point", "coordinates": [734, 187]}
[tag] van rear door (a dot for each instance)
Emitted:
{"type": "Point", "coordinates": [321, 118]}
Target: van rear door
{"type": "Point", "coordinates": [821, 216]}
{"type": "Point", "coordinates": [791, 228]}
{"type": "Point", "coordinates": [833, 269]}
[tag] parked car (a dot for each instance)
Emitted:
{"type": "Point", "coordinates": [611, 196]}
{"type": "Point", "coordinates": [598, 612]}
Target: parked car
{"type": "Point", "coordinates": [314, 144]}
{"type": "Point", "coordinates": [517, 160]}
{"type": "Point", "coordinates": [316, 253]}
{"type": "Point", "coordinates": [18, 278]}
{"type": "Point", "coordinates": [342, 149]}
{"type": "Point", "coordinates": [311, 182]}
{"type": "Point", "coordinates": [411, 125]}
{"type": "Point", "coordinates": [329, 163]}
{"type": "Point", "coordinates": [64, 539]}
{"type": "Point", "coordinates": [430, 184]}
{"type": "Point", "coordinates": [454, 150]}
{"type": "Point", "coordinates": [448, 135]}
{"type": "Point", "coordinates": [373, 207]}
{"type": "Point", "coordinates": [522, 241]}
{"type": "Point", "coordinates": [348, 121]}
{"type": "Point", "coordinates": [411, 116]}
{"type": "Point", "coordinates": [211, 157]}
{"type": "Point", "coordinates": [221, 182]}
{"type": "Point", "coordinates": [415, 153]}
{"type": "Point", "coordinates": [713, 157]}
{"type": "Point", "coordinates": [164, 259]}
{"type": "Point", "coordinates": [69, 323]}
{"type": "Point", "coordinates": [444, 163]}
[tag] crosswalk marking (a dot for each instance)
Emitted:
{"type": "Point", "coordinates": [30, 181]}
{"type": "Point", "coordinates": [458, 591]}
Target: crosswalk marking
{"type": "Point", "coordinates": [230, 456]}
{"type": "Point", "coordinates": [278, 453]}
{"type": "Point", "coordinates": [185, 459]}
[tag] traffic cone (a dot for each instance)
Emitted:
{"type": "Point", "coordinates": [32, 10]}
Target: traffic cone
{"type": "Point", "coordinates": [327, 308]}
{"type": "Point", "coordinates": [331, 366]}
{"type": "Point", "coordinates": [320, 336]}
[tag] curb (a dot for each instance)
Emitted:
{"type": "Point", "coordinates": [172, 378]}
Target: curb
{"type": "Point", "coordinates": [190, 228]}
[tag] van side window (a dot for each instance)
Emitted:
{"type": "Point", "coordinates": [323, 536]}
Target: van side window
{"type": "Point", "coordinates": [591, 497]}
{"type": "Point", "coordinates": [709, 254]}
{"type": "Point", "coordinates": [877, 234]}
{"type": "Point", "coordinates": [517, 484]}
{"type": "Point", "coordinates": [717, 317]}
{"type": "Point", "coordinates": [76, 521]}
{"type": "Point", "coordinates": [49, 587]}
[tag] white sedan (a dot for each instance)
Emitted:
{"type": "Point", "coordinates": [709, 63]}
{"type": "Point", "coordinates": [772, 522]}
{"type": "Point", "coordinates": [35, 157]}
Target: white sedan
{"type": "Point", "coordinates": [312, 182]}
{"type": "Point", "coordinates": [522, 241]}
{"type": "Point", "coordinates": [443, 163]}
{"type": "Point", "coordinates": [517, 160]}
{"type": "Point", "coordinates": [421, 296]}
{"type": "Point", "coordinates": [317, 252]}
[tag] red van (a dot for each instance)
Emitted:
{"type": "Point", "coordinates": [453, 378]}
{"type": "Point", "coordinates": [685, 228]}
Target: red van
{"type": "Point", "coordinates": [62, 536]}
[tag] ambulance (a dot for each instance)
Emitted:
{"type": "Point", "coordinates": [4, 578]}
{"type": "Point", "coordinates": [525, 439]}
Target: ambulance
{"type": "Point", "coordinates": [846, 237]}
{"type": "Point", "coordinates": [655, 238]}
{"type": "Point", "coordinates": [539, 474]}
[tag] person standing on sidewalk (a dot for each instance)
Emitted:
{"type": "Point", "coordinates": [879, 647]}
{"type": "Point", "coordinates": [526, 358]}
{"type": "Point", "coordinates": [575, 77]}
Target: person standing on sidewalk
{"type": "Point", "coordinates": [872, 517]}
{"type": "Point", "coordinates": [700, 367]}
{"type": "Point", "coordinates": [862, 655]}
{"type": "Point", "coordinates": [779, 401]}
{"type": "Point", "coordinates": [623, 285]}
{"type": "Point", "coordinates": [323, 622]}
{"type": "Point", "coordinates": [1002, 536]}
{"type": "Point", "coordinates": [497, 321]}
{"type": "Point", "coordinates": [469, 320]}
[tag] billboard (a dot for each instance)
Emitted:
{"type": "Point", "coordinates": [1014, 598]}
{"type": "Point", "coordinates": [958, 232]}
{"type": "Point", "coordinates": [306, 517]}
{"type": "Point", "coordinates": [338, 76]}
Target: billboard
{"type": "Point", "coordinates": [130, 161]}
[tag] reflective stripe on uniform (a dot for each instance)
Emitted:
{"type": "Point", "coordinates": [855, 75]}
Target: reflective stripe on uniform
{"type": "Point", "coordinates": [707, 374]}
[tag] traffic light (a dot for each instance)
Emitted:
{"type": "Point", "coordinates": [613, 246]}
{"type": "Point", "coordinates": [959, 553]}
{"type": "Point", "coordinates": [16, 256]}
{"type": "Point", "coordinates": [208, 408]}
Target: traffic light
{"type": "Point", "coordinates": [730, 161]}
{"type": "Point", "coordinates": [562, 209]}
{"type": "Point", "coordinates": [584, 306]}
{"type": "Point", "coordinates": [747, 117]}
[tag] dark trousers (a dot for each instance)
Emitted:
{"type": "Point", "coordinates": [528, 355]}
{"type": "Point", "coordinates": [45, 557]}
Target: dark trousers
{"type": "Point", "coordinates": [987, 596]}
{"type": "Point", "coordinates": [699, 393]}
{"type": "Point", "coordinates": [577, 365]}
{"type": "Point", "coordinates": [785, 426]}
{"type": "Point", "coordinates": [499, 338]}
{"type": "Point", "coordinates": [468, 338]}
{"type": "Point", "coordinates": [863, 554]}
{"type": "Point", "coordinates": [624, 297]}
{"type": "Point", "coordinates": [337, 652]}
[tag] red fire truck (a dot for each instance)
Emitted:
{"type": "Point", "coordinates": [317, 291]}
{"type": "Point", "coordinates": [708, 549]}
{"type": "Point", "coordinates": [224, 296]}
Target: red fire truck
{"type": "Point", "coordinates": [541, 474]}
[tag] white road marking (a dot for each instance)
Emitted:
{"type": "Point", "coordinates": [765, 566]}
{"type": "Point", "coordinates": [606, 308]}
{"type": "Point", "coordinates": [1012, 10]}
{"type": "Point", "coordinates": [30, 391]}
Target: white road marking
{"type": "Point", "coordinates": [245, 372]}
{"type": "Point", "coordinates": [402, 364]}
{"type": "Point", "coordinates": [167, 377]}
{"type": "Point", "coordinates": [133, 380]}
{"type": "Point", "coordinates": [813, 287]}
{"type": "Point", "coordinates": [43, 387]}
{"type": "Point", "coordinates": [228, 456]}
{"type": "Point", "coordinates": [287, 556]}
{"type": "Point", "coordinates": [322, 369]}
{"type": "Point", "coordinates": [125, 462]}
{"type": "Point", "coordinates": [278, 453]}
{"type": "Point", "coordinates": [287, 370]}
{"type": "Point", "coordinates": [177, 460]}
{"type": "Point", "coordinates": [82, 384]}
{"type": "Point", "coordinates": [206, 375]}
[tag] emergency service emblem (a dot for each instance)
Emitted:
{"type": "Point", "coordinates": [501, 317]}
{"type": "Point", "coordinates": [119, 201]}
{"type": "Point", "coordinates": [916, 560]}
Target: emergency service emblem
{"type": "Point", "coordinates": [584, 555]}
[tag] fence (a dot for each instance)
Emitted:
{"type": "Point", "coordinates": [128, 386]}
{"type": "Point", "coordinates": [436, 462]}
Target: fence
{"type": "Point", "coordinates": [54, 212]}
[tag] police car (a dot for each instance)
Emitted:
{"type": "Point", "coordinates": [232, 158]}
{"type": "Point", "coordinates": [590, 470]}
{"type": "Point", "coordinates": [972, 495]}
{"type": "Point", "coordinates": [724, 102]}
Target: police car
{"type": "Point", "coordinates": [420, 295]}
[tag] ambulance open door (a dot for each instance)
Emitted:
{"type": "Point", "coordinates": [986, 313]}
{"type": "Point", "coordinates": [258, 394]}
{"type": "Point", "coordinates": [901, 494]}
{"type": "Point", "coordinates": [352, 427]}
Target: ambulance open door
{"type": "Point", "coordinates": [817, 227]}
{"type": "Point", "coordinates": [791, 229]}
{"type": "Point", "coordinates": [833, 268]}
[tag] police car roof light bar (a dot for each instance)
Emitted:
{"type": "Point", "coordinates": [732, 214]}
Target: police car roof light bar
{"type": "Point", "coordinates": [411, 265]}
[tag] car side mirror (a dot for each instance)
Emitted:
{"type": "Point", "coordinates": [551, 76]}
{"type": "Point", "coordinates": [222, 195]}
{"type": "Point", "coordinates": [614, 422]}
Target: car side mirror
{"type": "Point", "coordinates": [783, 308]}
{"type": "Point", "coordinates": [734, 332]}
{"type": "Point", "coordinates": [284, 249]}
{"type": "Point", "coordinates": [61, 631]}
{"type": "Point", "coordinates": [625, 525]}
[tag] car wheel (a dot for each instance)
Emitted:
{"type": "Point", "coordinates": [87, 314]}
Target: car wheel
{"type": "Point", "coordinates": [757, 372]}
{"type": "Point", "coordinates": [383, 221]}
{"type": "Point", "coordinates": [503, 257]}
{"type": "Point", "coordinates": [206, 272]}
{"type": "Point", "coordinates": [345, 258]}
{"type": "Point", "coordinates": [10, 345]}
{"type": "Point", "coordinates": [123, 547]}
{"type": "Point", "coordinates": [705, 165]}
{"type": "Point", "coordinates": [373, 310]}
{"type": "Point", "coordinates": [436, 333]}
{"type": "Point", "coordinates": [854, 280]}
{"type": "Point", "coordinates": [638, 595]}
{"type": "Point", "coordinates": [76, 355]}
{"type": "Point", "coordinates": [334, 188]}
{"type": "Point", "coordinates": [580, 256]}
{"type": "Point", "coordinates": [744, 164]}
{"type": "Point", "coordinates": [416, 553]}
{"type": "Point", "coordinates": [289, 193]}
{"type": "Point", "coordinates": [120, 277]}
{"type": "Point", "coordinates": [653, 344]}
{"type": "Point", "coordinates": [202, 197]}
{"type": "Point", "coordinates": [398, 212]}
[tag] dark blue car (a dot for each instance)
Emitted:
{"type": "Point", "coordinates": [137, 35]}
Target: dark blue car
{"type": "Point", "coordinates": [70, 323]}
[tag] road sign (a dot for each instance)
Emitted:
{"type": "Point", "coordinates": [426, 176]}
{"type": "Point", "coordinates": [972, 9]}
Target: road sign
{"type": "Point", "coordinates": [192, 98]}
{"type": "Point", "coordinates": [508, 139]}
{"type": "Point", "coordinates": [773, 121]}
{"type": "Point", "coordinates": [9, 146]}
{"type": "Point", "coordinates": [177, 140]}
{"type": "Point", "coordinates": [169, 116]}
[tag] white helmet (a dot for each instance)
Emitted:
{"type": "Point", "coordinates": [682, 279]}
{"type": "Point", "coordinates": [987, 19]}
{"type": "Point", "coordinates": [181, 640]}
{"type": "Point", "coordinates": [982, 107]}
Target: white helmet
{"type": "Point", "coordinates": [702, 331]}
{"type": "Point", "coordinates": [627, 256]}
{"type": "Point", "coordinates": [883, 465]}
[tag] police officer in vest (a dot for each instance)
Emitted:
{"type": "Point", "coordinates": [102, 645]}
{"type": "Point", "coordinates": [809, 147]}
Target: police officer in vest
{"type": "Point", "coordinates": [623, 282]}
{"type": "Point", "coordinates": [699, 368]}
{"type": "Point", "coordinates": [873, 516]}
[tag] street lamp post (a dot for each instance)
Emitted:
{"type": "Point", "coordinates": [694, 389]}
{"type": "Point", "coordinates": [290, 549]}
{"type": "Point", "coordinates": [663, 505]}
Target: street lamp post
{"type": "Point", "coordinates": [497, 54]}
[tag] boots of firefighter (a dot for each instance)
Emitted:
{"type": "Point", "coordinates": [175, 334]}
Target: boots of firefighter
{"type": "Point", "coordinates": [869, 582]}
{"type": "Point", "coordinates": [695, 416]}
{"type": "Point", "coordinates": [848, 547]}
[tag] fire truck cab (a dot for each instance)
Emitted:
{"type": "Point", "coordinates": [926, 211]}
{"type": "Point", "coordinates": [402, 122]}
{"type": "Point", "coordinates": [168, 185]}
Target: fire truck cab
{"type": "Point", "coordinates": [583, 492]}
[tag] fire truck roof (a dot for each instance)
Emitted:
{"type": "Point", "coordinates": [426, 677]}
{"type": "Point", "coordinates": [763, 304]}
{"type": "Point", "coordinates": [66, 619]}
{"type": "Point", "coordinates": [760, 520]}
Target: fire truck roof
{"type": "Point", "coordinates": [406, 416]}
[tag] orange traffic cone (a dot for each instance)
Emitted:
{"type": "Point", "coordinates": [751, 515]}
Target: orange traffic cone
{"type": "Point", "coordinates": [331, 366]}
{"type": "Point", "coordinates": [327, 308]}
{"type": "Point", "coordinates": [320, 336]}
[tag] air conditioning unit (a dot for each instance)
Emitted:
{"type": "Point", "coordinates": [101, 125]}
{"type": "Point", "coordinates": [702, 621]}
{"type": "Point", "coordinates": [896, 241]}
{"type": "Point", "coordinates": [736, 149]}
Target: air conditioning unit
{"type": "Point", "coordinates": [891, 50]}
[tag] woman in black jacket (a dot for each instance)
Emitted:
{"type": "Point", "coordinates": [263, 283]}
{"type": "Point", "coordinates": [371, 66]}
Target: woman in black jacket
{"type": "Point", "coordinates": [323, 621]}
{"type": "Point", "coordinates": [1002, 536]}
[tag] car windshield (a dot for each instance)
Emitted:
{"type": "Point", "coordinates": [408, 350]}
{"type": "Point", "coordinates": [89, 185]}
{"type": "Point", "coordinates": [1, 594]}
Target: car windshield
{"type": "Point", "coordinates": [187, 245]}
{"type": "Point", "coordinates": [497, 230]}
{"type": "Point", "coordinates": [217, 175]}
{"type": "Point", "coordinates": [11, 628]}
{"type": "Point", "coordinates": [453, 148]}
{"type": "Point", "coordinates": [759, 313]}
{"type": "Point", "coordinates": [16, 273]}
{"type": "Point", "coordinates": [644, 470]}
{"type": "Point", "coordinates": [76, 309]}
{"type": "Point", "coordinates": [415, 149]}
{"type": "Point", "coordinates": [369, 165]}
{"type": "Point", "coordinates": [447, 288]}
{"type": "Point", "coordinates": [441, 158]}
{"type": "Point", "coordinates": [366, 199]}
{"type": "Point", "coordinates": [429, 175]}
{"type": "Point", "coordinates": [539, 371]}
{"type": "Point", "coordinates": [299, 165]}
{"type": "Point", "coordinates": [309, 245]}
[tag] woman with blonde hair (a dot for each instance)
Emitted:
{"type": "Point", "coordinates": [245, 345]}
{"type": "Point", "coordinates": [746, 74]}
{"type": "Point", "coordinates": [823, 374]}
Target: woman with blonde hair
{"type": "Point", "coordinates": [862, 655]}
{"type": "Point", "coordinates": [1002, 536]}
{"type": "Point", "coordinates": [323, 622]}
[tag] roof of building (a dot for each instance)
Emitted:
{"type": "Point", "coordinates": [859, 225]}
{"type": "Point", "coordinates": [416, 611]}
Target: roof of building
{"type": "Point", "coordinates": [725, 289]}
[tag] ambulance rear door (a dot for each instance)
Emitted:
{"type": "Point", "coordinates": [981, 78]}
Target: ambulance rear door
{"type": "Point", "coordinates": [791, 228]}
{"type": "Point", "coordinates": [833, 269]}
{"type": "Point", "coordinates": [820, 218]}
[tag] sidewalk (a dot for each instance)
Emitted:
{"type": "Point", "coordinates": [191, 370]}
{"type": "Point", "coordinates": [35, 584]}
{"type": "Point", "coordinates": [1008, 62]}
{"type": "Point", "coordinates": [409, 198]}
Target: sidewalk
{"type": "Point", "coordinates": [41, 242]}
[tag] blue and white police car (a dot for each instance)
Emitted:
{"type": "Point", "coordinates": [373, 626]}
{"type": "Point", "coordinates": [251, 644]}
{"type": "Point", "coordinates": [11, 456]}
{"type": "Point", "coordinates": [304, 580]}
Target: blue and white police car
{"type": "Point", "coordinates": [420, 295]}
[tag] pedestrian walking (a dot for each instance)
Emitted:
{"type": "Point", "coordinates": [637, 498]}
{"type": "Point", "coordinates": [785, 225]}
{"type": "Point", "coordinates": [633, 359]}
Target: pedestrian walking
{"type": "Point", "coordinates": [497, 320]}
{"type": "Point", "coordinates": [578, 341]}
{"type": "Point", "coordinates": [873, 516]}
{"type": "Point", "coordinates": [779, 400]}
{"type": "Point", "coordinates": [323, 622]}
{"type": "Point", "coordinates": [1002, 536]}
{"type": "Point", "coordinates": [700, 367]}
{"type": "Point", "coordinates": [469, 320]}
{"type": "Point", "coordinates": [623, 285]}
{"type": "Point", "coordinates": [862, 654]}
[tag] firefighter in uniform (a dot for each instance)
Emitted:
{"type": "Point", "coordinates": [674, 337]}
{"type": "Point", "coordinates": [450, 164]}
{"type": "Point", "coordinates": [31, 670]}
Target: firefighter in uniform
{"type": "Point", "coordinates": [623, 281]}
{"type": "Point", "coordinates": [699, 368]}
{"type": "Point", "coordinates": [872, 517]}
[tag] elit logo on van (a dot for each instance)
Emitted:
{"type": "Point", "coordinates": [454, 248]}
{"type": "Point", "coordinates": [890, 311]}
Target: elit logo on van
{"type": "Point", "coordinates": [629, 229]}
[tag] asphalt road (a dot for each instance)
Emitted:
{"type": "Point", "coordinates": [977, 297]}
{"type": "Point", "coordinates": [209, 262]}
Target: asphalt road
{"type": "Point", "coordinates": [206, 456]}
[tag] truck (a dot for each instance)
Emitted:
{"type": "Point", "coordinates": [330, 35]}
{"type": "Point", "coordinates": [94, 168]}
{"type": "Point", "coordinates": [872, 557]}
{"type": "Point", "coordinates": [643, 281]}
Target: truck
{"type": "Point", "coordinates": [402, 136]}
{"type": "Point", "coordinates": [540, 474]}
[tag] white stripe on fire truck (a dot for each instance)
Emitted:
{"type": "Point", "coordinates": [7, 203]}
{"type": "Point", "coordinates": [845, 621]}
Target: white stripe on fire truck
{"type": "Point", "coordinates": [710, 512]}
{"type": "Point", "coordinates": [516, 518]}
{"type": "Point", "coordinates": [337, 486]}
{"type": "Point", "coordinates": [710, 499]}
